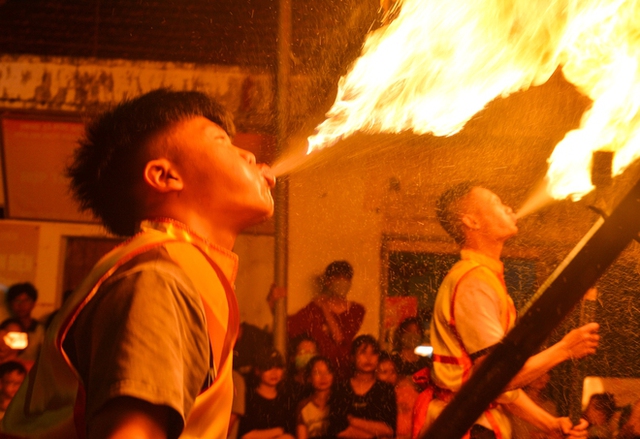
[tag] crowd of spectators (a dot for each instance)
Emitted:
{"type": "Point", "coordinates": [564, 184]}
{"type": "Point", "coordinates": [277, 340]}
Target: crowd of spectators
{"type": "Point", "coordinates": [20, 338]}
{"type": "Point", "coordinates": [303, 397]}
{"type": "Point", "coordinates": [334, 384]}
{"type": "Point", "coordinates": [306, 398]}
{"type": "Point", "coordinates": [344, 386]}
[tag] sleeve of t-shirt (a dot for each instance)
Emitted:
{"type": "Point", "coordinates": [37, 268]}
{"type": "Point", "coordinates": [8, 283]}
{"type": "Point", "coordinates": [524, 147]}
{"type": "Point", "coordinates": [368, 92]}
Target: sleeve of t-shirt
{"type": "Point", "coordinates": [148, 340]}
{"type": "Point", "coordinates": [477, 312]}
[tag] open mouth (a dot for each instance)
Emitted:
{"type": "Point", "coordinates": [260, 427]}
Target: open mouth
{"type": "Point", "coordinates": [268, 175]}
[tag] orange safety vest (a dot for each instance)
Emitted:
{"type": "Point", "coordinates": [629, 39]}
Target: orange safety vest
{"type": "Point", "coordinates": [452, 364]}
{"type": "Point", "coordinates": [50, 403]}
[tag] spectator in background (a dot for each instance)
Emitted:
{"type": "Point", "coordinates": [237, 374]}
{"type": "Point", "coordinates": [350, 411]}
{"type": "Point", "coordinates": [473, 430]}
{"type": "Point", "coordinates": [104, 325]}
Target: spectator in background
{"type": "Point", "coordinates": [296, 386]}
{"type": "Point", "coordinates": [537, 390]}
{"type": "Point", "coordinates": [630, 423]}
{"type": "Point", "coordinates": [406, 393]}
{"type": "Point", "coordinates": [313, 411]}
{"type": "Point", "coordinates": [251, 340]}
{"type": "Point", "coordinates": [7, 352]}
{"type": "Point", "coordinates": [21, 299]}
{"type": "Point", "coordinates": [599, 411]}
{"type": "Point", "coordinates": [406, 396]}
{"type": "Point", "coordinates": [407, 338]}
{"type": "Point", "coordinates": [387, 370]}
{"type": "Point", "coordinates": [330, 319]}
{"type": "Point", "coordinates": [303, 349]}
{"type": "Point", "coordinates": [363, 406]}
{"type": "Point", "coordinates": [266, 415]}
{"type": "Point", "coordinates": [12, 375]}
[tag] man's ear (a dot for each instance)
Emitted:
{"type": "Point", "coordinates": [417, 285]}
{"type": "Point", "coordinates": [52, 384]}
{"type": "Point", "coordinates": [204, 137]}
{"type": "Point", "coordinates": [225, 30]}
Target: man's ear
{"type": "Point", "coordinates": [470, 221]}
{"type": "Point", "coordinates": [162, 176]}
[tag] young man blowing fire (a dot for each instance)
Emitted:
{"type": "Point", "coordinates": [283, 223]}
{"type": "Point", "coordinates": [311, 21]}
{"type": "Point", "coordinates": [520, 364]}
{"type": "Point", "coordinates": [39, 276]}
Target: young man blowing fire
{"type": "Point", "coordinates": [473, 312]}
{"type": "Point", "coordinates": [143, 347]}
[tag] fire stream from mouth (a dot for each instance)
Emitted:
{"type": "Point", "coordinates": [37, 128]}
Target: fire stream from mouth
{"type": "Point", "coordinates": [457, 56]}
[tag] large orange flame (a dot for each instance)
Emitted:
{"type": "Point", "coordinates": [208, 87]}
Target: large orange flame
{"type": "Point", "coordinates": [440, 62]}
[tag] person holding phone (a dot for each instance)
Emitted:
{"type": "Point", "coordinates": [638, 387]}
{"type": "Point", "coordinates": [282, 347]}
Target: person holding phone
{"type": "Point", "coordinates": [21, 299]}
{"type": "Point", "coordinates": [13, 341]}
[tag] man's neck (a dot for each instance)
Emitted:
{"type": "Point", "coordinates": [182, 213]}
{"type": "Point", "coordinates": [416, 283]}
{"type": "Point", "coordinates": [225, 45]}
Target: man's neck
{"type": "Point", "coordinates": [219, 234]}
{"type": "Point", "coordinates": [26, 322]}
{"type": "Point", "coordinates": [364, 377]}
{"type": "Point", "coordinates": [321, 397]}
{"type": "Point", "coordinates": [267, 391]}
{"type": "Point", "coordinates": [409, 355]}
{"type": "Point", "coordinates": [490, 248]}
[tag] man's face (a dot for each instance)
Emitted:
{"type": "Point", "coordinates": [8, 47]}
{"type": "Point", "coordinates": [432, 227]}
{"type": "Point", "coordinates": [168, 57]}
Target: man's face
{"type": "Point", "coordinates": [366, 359]}
{"type": "Point", "coordinates": [221, 179]}
{"type": "Point", "coordinates": [272, 376]}
{"type": "Point", "coordinates": [22, 305]}
{"type": "Point", "coordinates": [11, 383]}
{"type": "Point", "coordinates": [321, 377]}
{"type": "Point", "coordinates": [339, 286]}
{"type": "Point", "coordinates": [387, 372]}
{"type": "Point", "coordinates": [491, 217]}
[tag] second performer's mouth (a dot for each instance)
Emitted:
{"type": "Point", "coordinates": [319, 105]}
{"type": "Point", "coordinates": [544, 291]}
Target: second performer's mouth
{"type": "Point", "coordinates": [268, 175]}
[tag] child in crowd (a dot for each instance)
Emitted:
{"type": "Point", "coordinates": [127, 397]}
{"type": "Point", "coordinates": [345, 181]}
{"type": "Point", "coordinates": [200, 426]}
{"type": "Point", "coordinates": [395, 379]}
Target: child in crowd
{"type": "Point", "coordinates": [21, 299]}
{"type": "Point", "coordinates": [630, 422]}
{"type": "Point", "coordinates": [599, 411]}
{"type": "Point", "coordinates": [313, 412]}
{"type": "Point", "coordinates": [12, 374]}
{"type": "Point", "coordinates": [407, 337]}
{"type": "Point", "coordinates": [266, 415]}
{"type": "Point", "coordinates": [387, 370]}
{"type": "Point", "coordinates": [363, 406]}
{"type": "Point", "coordinates": [296, 386]}
{"type": "Point", "coordinates": [406, 393]}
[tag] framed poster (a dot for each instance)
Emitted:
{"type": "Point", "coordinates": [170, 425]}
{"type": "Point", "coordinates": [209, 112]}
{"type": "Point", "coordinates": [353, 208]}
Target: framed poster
{"type": "Point", "coordinates": [35, 153]}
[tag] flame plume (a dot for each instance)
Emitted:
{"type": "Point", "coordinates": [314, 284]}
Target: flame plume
{"type": "Point", "coordinates": [440, 62]}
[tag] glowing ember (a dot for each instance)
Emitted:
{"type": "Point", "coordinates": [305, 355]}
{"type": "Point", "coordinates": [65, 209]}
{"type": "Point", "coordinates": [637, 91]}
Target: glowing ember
{"type": "Point", "coordinates": [439, 63]}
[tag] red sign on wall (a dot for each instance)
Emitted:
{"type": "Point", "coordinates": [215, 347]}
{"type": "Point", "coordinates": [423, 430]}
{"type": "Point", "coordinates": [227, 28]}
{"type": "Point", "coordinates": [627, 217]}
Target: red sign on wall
{"type": "Point", "coordinates": [35, 153]}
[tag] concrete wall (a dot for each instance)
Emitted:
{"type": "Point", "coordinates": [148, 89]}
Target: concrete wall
{"type": "Point", "coordinates": [73, 84]}
{"type": "Point", "coordinates": [49, 260]}
{"type": "Point", "coordinates": [331, 218]}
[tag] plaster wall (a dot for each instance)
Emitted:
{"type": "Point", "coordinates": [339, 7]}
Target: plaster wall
{"type": "Point", "coordinates": [75, 84]}
{"type": "Point", "coordinates": [49, 261]}
{"type": "Point", "coordinates": [331, 218]}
